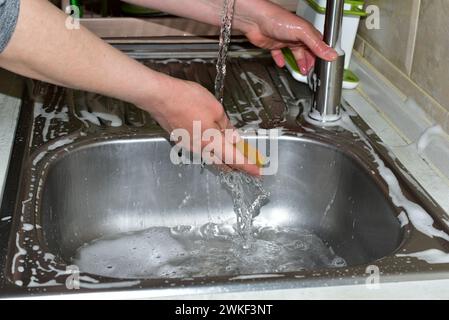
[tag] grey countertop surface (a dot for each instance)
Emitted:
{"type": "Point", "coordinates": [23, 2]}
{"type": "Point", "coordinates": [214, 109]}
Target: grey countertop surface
{"type": "Point", "coordinates": [10, 93]}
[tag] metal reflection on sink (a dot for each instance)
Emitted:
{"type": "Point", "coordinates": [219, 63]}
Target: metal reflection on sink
{"type": "Point", "coordinates": [102, 190]}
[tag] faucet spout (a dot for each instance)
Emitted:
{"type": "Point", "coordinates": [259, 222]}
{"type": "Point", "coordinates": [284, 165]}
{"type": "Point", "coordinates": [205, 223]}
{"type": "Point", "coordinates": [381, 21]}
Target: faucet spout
{"type": "Point", "coordinates": [326, 81]}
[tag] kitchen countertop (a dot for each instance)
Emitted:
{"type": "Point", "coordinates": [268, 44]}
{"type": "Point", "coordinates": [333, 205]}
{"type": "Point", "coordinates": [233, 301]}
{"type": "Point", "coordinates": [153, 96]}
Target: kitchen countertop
{"type": "Point", "coordinates": [371, 108]}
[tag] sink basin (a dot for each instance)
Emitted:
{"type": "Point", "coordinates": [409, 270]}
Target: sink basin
{"type": "Point", "coordinates": [104, 189]}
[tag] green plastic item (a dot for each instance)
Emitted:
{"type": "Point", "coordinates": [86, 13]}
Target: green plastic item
{"type": "Point", "coordinates": [290, 59]}
{"type": "Point", "coordinates": [79, 5]}
{"type": "Point", "coordinates": [354, 11]}
{"type": "Point", "coordinates": [348, 75]}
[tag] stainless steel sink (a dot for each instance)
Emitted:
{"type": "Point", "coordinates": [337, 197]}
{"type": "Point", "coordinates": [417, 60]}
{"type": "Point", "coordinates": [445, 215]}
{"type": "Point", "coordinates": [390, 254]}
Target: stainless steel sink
{"type": "Point", "coordinates": [106, 188]}
{"type": "Point", "coordinates": [84, 177]}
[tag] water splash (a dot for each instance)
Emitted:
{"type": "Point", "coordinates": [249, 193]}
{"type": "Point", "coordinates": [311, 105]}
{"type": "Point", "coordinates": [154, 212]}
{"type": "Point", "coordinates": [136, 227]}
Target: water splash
{"type": "Point", "coordinates": [248, 196]}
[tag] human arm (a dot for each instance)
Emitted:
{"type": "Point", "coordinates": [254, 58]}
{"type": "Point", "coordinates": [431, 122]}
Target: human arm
{"type": "Point", "coordinates": [42, 48]}
{"type": "Point", "coordinates": [265, 24]}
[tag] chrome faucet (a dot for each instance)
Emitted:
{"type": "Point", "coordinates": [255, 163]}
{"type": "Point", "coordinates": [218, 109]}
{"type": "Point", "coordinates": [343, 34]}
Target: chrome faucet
{"type": "Point", "coordinates": [326, 81]}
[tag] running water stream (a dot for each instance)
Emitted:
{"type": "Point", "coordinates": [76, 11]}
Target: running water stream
{"type": "Point", "coordinates": [225, 40]}
{"type": "Point", "coordinates": [247, 192]}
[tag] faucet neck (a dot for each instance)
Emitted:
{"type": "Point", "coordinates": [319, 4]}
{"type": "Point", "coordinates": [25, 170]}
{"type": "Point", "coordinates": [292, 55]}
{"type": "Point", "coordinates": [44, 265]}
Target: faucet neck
{"type": "Point", "coordinates": [326, 80]}
{"type": "Point", "coordinates": [333, 22]}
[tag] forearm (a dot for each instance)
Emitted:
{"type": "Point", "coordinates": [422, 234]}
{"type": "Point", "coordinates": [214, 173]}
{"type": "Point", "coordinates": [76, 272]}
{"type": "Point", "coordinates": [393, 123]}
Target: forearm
{"type": "Point", "coordinates": [43, 48]}
{"type": "Point", "coordinates": [209, 11]}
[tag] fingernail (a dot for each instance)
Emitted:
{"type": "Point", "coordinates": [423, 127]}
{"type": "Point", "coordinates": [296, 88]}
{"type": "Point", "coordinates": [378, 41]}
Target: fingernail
{"type": "Point", "coordinates": [302, 66]}
{"type": "Point", "coordinates": [331, 53]}
{"type": "Point", "coordinates": [309, 69]}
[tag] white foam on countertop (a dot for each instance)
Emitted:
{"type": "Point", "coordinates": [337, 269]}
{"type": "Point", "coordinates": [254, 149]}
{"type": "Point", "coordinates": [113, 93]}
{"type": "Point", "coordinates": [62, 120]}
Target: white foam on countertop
{"type": "Point", "coordinates": [39, 157]}
{"type": "Point", "coordinates": [20, 252]}
{"type": "Point", "coordinates": [420, 219]}
{"type": "Point", "coordinates": [60, 143]}
{"type": "Point", "coordinates": [431, 256]}
{"type": "Point", "coordinates": [169, 60]}
{"type": "Point", "coordinates": [112, 118]}
{"type": "Point", "coordinates": [87, 116]}
{"type": "Point", "coordinates": [52, 147]}
{"type": "Point", "coordinates": [427, 137]}
{"type": "Point", "coordinates": [35, 284]}
{"type": "Point", "coordinates": [39, 111]}
{"type": "Point", "coordinates": [27, 227]}
{"type": "Point", "coordinates": [403, 219]}
{"type": "Point", "coordinates": [84, 282]}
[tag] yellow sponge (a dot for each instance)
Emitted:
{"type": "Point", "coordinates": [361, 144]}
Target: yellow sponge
{"type": "Point", "coordinates": [251, 153]}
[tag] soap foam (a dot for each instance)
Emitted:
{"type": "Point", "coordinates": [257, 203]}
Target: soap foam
{"type": "Point", "coordinates": [40, 112]}
{"type": "Point", "coordinates": [432, 256]}
{"type": "Point", "coordinates": [427, 137]}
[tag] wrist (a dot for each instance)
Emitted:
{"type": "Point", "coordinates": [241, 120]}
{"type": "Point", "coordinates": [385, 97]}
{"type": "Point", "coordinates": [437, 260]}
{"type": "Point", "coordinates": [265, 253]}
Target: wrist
{"type": "Point", "coordinates": [156, 92]}
{"type": "Point", "coordinates": [249, 14]}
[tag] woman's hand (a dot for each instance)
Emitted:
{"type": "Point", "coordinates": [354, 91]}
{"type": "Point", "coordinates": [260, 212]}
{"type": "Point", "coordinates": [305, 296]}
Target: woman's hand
{"type": "Point", "coordinates": [269, 26]}
{"type": "Point", "coordinates": [185, 104]}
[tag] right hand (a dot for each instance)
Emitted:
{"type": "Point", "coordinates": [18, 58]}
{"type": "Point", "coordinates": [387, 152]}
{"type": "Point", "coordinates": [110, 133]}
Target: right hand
{"type": "Point", "coordinates": [269, 26]}
{"type": "Point", "coordinates": [187, 102]}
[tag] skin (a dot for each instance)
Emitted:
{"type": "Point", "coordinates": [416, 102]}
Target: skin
{"type": "Point", "coordinates": [42, 48]}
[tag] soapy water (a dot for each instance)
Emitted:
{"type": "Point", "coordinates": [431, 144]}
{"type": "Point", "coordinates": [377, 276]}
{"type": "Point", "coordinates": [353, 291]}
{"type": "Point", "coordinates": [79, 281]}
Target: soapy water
{"type": "Point", "coordinates": [209, 250]}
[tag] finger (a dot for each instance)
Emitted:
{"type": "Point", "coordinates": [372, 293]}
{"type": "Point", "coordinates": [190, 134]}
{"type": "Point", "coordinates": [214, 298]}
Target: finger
{"type": "Point", "coordinates": [232, 157]}
{"type": "Point", "coordinates": [231, 134]}
{"type": "Point", "coordinates": [221, 166]}
{"type": "Point", "coordinates": [278, 58]}
{"type": "Point", "coordinates": [311, 58]}
{"type": "Point", "coordinates": [299, 53]}
{"type": "Point", "coordinates": [223, 121]}
{"type": "Point", "coordinates": [309, 35]}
